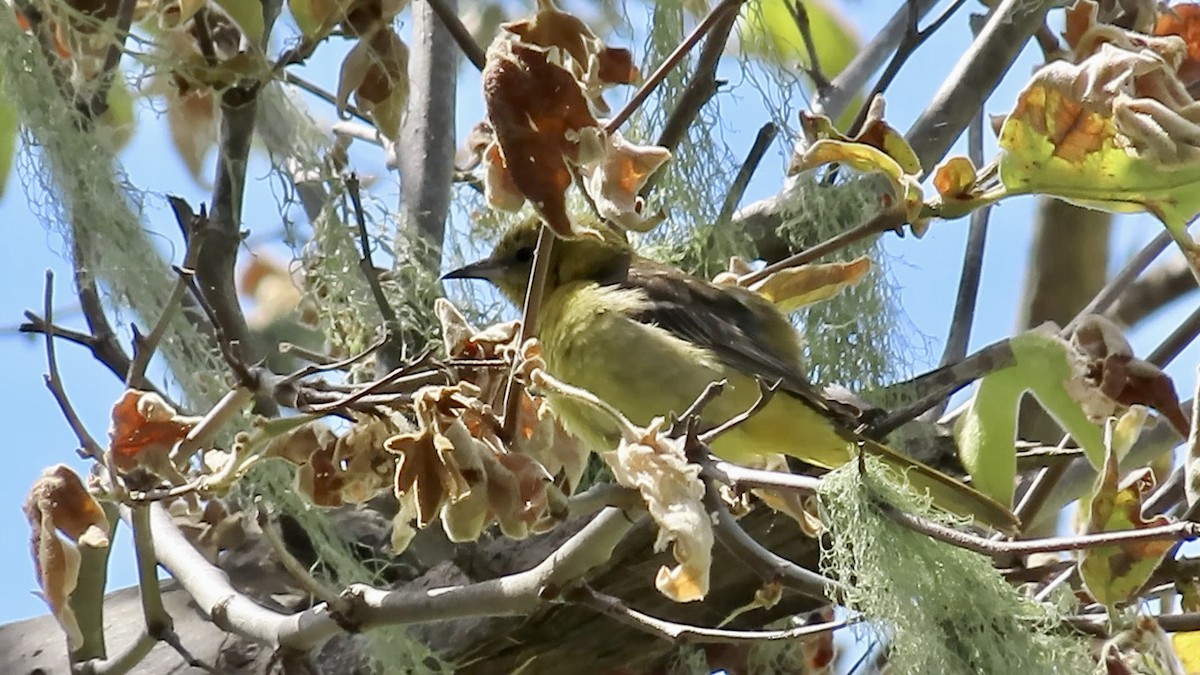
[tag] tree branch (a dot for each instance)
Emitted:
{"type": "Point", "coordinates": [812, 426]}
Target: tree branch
{"type": "Point", "coordinates": [975, 76]}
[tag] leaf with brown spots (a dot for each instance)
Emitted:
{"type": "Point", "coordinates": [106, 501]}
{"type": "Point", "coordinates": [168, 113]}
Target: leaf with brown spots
{"type": "Point", "coordinates": [1114, 574]}
{"type": "Point", "coordinates": [1118, 131]}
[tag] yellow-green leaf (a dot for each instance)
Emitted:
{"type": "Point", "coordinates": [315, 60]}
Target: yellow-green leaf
{"type": "Point", "coordinates": [796, 287]}
{"type": "Point", "coordinates": [248, 15]}
{"type": "Point", "coordinates": [986, 431]}
{"type": "Point", "coordinates": [1114, 574]}
{"type": "Point", "coordinates": [1091, 134]}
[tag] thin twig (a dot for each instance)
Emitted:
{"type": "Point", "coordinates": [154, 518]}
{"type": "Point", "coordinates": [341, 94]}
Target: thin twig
{"type": "Point", "coordinates": [762, 142]}
{"type": "Point", "coordinates": [329, 365]}
{"type": "Point", "coordinates": [975, 77]}
{"type": "Point", "coordinates": [1121, 280]}
{"type": "Point", "coordinates": [97, 105]}
{"type": "Point", "coordinates": [672, 60]}
{"type": "Point", "coordinates": [800, 18]}
{"type": "Point", "coordinates": [913, 38]}
{"type": "Point", "coordinates": [769, 566]}
{"type": "Point", "coordinates": [765, 393]}
{"type": "Point", "coordinates": [365, 262]}
{"type": "Point", "coordinates": [459, 32]}
{"type": "Point", "coordinates": [941, 383]}
{"type": "Point", "coordinates": [54, 382]}
{"type": "Point", "coordinates": [699, 90]}
{"type": "Point", "coordinates": [1039, 490]}
{"type": "Point", "coordinates": [849, 83]}
{"type": "Point", "coordinates": [1179, 339]}
{"type": "Point", "coordinates": [886, 220]}
{"type": "Point", "coordinates": [972, 268]}
{"type": "Point", "coordinates": [306, 354]}
{"type": "Point", "coordinates": [977, 544]}
{"type": "Point", "coordinates": [396, 377]}
{"type": "Point", "coordinates": [529, 317]}
{"type": "Point", "coordinates": [323, 94]}
{"type": "Point", "coordinates": [683, 633]}
{"type": "Point", "coordinates": [143, 349]}
{"type": "Point", "coordinates": [742, 478]}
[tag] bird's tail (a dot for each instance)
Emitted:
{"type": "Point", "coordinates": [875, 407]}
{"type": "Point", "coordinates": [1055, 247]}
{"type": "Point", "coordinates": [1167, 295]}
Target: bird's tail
{"type": "Point", "coordinates": [945, 492]}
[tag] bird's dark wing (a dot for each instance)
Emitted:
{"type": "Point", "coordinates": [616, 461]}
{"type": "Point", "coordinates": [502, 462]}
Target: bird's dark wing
{"type": "Point", "coordinates": [742, 328]}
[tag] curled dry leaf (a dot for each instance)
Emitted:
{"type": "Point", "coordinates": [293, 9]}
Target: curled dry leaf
{"type": "Point", "coordinates": [376, 72]}
{"type": "Point", "coordinates": [210, 529]}
{"type": "Point", "coordinates": [540, 111]}
{"type": "Point", "coordinates": [656, 467]}
{"type": "Point", "coordinates": [456, 465]}
{"type": "Point", "coordinates": [1114, 379]}
{"type": "Point", "coordinates": [336, 470]}
{"type": "Point", "coordinates": [464, 341]}
{"type": "Point", "coordinates": [616, 177]}
{"type": "Point", "coordinates": [1114, 574]}
{"type": "Point", "coordinates": [878, 148]}
{"type": "Point", "coordinates": [428, 467]}
{"type": "Point", "coordinates": [532, 104]}
{"type": "Point", "coordinates": [58, 502]}
{"type": "Point", "coordinates": [796, 287]}
{"type": "Point", "coordinates": [596, 65]}
{"type": "Point", "coordinates": [144, 429]}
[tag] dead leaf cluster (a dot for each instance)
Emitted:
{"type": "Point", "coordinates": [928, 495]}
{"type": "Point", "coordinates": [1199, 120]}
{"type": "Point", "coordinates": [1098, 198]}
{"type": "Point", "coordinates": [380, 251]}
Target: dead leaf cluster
{"type": "Point", "coordinates": [543, 86]}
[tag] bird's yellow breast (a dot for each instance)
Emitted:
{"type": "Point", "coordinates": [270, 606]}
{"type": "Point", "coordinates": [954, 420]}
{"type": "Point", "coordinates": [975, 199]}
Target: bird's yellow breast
{"type": "Point", "coordinates": [591, 340]}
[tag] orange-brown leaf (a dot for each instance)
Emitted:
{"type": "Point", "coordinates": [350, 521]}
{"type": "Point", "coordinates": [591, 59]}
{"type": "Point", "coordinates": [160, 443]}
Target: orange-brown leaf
{"type": "Point", "coordinates": [143, 422]}
{"type": "Point", "coordinates": [537, 110]}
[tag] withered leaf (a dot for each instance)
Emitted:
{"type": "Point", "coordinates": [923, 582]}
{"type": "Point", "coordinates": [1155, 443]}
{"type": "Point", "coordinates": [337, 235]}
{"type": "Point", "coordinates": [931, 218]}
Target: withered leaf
{"type": "Point", "coordinates": [144, 424]}
{"type": "Point", "coordinates": [537, 110]}
{"type": "Point", "coordinates": [58, 502]}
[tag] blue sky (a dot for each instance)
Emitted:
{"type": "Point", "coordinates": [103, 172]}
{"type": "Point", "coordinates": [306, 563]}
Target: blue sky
{"type": "Point", "coordinates": [926, 270]}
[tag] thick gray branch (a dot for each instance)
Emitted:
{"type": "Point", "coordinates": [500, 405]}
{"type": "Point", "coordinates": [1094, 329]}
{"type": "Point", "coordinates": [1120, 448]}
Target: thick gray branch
{"type": "Point", "coordinates": [974, 77]}
{"type": "Point", "coordinates": [426, 146]}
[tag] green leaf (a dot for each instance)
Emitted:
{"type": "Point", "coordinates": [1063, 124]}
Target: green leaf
{"type": "Point", "coordinates": [767, 31]}
{"type": "Point", "coordinates": [986, 433]}
{"type": "Point", "coordinates": [248, 15]}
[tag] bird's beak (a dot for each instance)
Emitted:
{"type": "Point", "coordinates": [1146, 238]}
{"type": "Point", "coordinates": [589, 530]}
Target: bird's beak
{"type": "Point", "coordinates": [481, 269]}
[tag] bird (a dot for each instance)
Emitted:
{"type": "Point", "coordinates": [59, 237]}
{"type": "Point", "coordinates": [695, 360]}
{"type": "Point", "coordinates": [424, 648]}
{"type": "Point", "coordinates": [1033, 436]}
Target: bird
{"type": "Point", "coordinates": [649, 338]}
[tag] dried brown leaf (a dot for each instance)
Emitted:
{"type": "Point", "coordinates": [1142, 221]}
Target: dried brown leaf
{"type": "Point", "coordinates": [59, 502]}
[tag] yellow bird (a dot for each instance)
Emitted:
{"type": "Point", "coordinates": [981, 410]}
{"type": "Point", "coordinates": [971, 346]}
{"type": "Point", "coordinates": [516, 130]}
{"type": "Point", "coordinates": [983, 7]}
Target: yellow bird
{"type": "Point", "coordinates": [648, 338]}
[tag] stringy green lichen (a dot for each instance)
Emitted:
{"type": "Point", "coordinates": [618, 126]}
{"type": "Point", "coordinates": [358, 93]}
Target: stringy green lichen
{"type": "Point", "coordinates": [76, 186]}
{"type": "Point", "coordinates": [943, 609]}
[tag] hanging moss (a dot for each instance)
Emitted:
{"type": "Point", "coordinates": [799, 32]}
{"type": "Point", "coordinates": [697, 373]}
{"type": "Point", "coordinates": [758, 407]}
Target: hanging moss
{"type": "Point", "coordinates": [943, 609]}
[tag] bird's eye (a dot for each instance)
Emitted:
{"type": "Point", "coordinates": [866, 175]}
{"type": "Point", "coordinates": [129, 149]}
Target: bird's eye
{"type": "Point", "coordinates": [524, 255]}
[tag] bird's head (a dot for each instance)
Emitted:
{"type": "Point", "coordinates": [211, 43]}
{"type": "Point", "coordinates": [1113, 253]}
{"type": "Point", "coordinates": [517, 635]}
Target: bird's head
{"type": "Point", "coordinates": [511, 261]}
